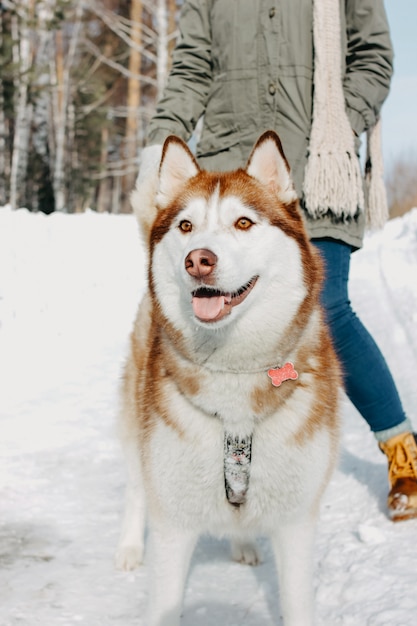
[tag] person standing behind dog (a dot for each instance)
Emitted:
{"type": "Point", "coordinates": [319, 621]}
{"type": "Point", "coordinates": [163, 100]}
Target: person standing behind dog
{"type": "Point", "coordinates": [317, 72]}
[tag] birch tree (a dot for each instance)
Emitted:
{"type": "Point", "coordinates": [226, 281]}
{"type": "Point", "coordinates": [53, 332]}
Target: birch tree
{"type": "Point", "coordinates": [61, 66]}
{"type": "Point", "coordinates": [133, 100]}
{"type": "Point", "coordinates": [162, 45]}
{"type": "Point", "coordinates": [23, 59]}
{"type": "Point", "coordinates": [3, 132]}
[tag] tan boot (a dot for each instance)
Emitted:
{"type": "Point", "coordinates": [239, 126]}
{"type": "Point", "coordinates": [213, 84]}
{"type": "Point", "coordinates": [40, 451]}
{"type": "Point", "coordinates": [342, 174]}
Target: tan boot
{"type": "Point", "coordinates": [401, 451]}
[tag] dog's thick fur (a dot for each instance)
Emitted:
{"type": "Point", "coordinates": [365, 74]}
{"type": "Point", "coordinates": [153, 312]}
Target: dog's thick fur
{"type": "Point", "coordinates": [234, 288]}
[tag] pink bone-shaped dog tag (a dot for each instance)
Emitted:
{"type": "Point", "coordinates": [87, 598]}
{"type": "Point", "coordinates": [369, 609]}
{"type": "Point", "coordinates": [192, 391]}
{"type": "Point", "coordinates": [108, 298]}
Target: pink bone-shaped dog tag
{"type": "Point", "coordinates": [286, 372]}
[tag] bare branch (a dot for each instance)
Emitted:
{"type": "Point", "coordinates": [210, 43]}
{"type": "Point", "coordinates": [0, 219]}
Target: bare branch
{"type": "Point", "coordinates": [122, 27]}
{"type": "Point", "coordinates": [116, 66]}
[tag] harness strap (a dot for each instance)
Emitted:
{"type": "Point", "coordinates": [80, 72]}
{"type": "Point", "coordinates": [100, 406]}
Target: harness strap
{"type": "Point", "coordinates": [237, 463]}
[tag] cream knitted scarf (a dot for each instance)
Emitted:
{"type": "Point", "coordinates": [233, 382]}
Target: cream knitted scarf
{"type": "Point", "coordinates": [333, 179]}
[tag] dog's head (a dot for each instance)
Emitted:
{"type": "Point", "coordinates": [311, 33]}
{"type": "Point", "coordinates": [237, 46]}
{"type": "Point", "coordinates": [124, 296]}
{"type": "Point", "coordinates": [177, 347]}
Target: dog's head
{"type": "Point", "coordinates": [226, 244]}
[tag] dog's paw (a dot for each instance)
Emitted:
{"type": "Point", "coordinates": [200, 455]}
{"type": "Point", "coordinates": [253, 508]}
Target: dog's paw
{"type": "Point", "coordinates": [128, 558]}
{"type": "Point", "coordinates": [246, 552]}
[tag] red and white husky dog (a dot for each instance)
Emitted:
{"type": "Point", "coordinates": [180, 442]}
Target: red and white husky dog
{"type": "Point", "coordinates": [230, 394]}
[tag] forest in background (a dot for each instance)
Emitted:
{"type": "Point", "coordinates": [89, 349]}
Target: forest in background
{"type": "Point", "coordinates": [79, 83]}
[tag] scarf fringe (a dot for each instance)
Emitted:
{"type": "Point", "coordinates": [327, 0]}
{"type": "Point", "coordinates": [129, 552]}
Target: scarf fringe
{"type": "Point", "coordinates": [333, 180]}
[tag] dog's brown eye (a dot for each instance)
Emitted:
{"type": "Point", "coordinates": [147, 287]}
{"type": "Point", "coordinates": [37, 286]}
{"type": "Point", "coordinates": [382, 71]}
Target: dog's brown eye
{"type": "Point", "coordinates": [243, 223]}
{"type": "Point", "coordinates": [185, 226]}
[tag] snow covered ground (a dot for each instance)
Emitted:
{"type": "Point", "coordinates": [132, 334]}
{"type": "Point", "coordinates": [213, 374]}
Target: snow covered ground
{"type": "Point", "coordinates": [69, 286]}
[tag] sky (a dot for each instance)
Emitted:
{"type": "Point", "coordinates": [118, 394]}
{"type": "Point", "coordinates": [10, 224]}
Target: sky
{"type": "Point", "coordinates": [64, 325]}
{"type": "Point", "coordinates": [399, 114]}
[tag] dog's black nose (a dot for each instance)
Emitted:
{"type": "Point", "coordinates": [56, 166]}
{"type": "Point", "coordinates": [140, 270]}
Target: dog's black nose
{"type": "Point", "coordinates": [200, 262]}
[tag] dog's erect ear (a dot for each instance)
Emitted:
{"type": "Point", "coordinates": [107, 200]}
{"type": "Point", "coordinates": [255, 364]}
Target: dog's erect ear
{"type": "Point", "coordinates": [268, 164]}
{"type": "Point", "coordinates": [177, 166]}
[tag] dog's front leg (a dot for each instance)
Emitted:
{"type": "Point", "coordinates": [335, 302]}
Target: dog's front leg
{"type": "Point", "coordinates": [293, 545]}
{"type": "Point", "coordinates": [170, 551]}
{"type": "Point", "coordinates": [129, 554]}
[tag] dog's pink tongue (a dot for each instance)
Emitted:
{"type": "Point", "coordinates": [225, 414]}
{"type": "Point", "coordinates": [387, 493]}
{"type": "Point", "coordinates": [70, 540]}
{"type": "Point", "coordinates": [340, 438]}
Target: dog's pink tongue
{"type": "Point", "coordinates": [208, 308]}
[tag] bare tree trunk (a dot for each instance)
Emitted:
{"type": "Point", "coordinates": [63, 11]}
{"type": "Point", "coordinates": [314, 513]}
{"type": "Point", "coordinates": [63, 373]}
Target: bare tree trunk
{"type": "Point", "coordinates": [3, 150]}
{"type": "Point", "coordinates": [103, 198]}
{"type": "Point", "coordinates": [133, 102]}
{"type": "Point", "coordinates": [74, 198]}
{"type": "Point", "coordinates": [23, 57]}
{"type": "Point", "coordinates": [172, 29]}
{"type": "Point", "coordinates": [116, 194]}
{"type": "Point", "coordinates": [60, 125]}
{"type": "Point", "coordinates": [61, 75]}
{"type": "Point", "coordinates": [162, 47]}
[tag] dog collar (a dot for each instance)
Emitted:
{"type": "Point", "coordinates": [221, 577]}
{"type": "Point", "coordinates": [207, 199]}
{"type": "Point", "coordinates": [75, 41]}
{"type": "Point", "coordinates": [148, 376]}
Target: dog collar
{"type": "Point", "coordinates": [277, 374]}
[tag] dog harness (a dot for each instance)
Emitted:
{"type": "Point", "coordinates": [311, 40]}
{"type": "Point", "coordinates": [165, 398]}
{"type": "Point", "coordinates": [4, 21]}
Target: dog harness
{"type": "Point", "coordinates": [238, 451]}
{"type": "Point", "coordinates": [237, 460]}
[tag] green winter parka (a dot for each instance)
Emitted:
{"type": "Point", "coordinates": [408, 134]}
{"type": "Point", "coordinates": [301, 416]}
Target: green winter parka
{"type": "Point", "coordinates": [246, 66]}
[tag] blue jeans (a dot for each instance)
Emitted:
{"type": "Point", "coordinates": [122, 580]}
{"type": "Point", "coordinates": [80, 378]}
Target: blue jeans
{"type": "Point", "coordinates": [368, 381]}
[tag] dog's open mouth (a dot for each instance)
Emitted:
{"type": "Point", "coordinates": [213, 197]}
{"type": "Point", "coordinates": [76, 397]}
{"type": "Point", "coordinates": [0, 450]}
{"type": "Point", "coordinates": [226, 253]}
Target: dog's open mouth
{"type": "Point", "coordinates": [211, 305]}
